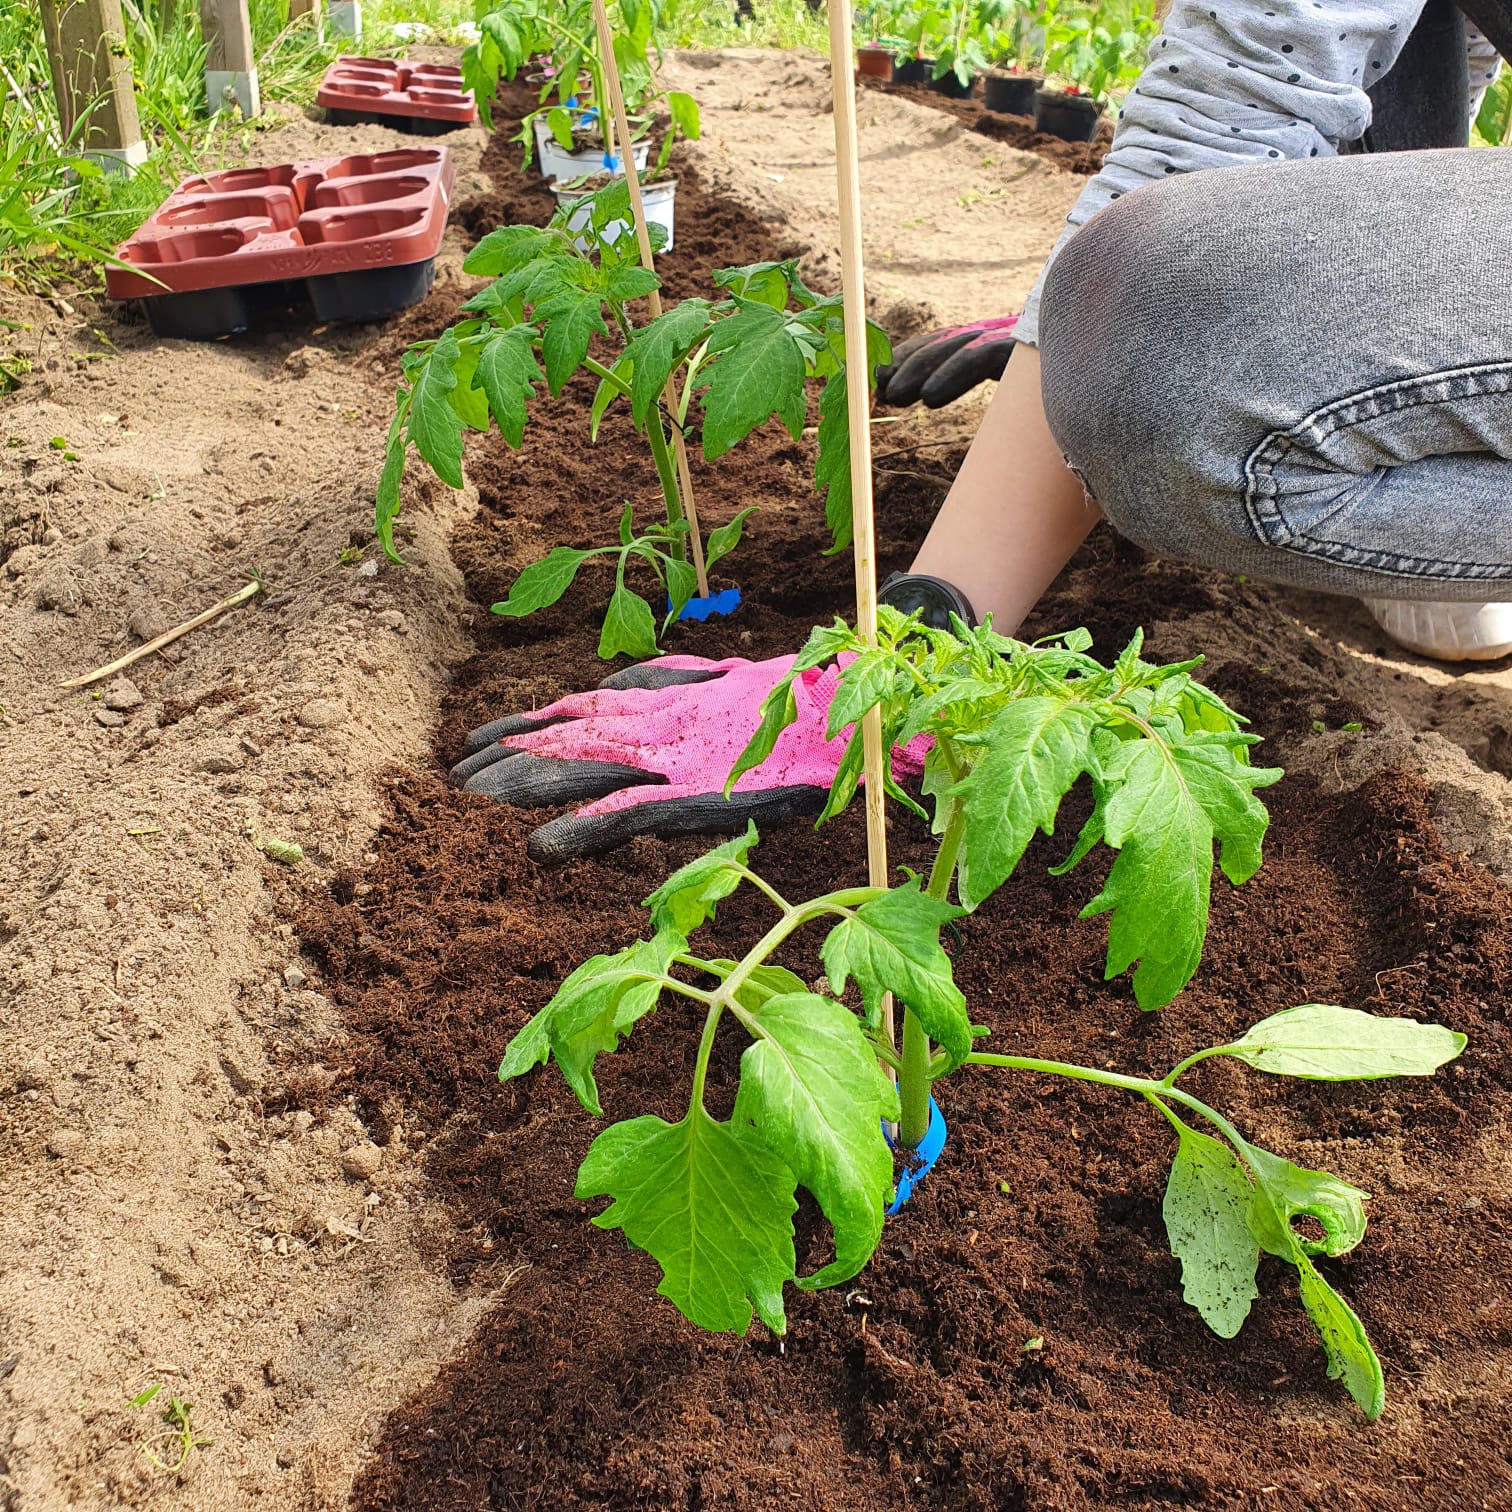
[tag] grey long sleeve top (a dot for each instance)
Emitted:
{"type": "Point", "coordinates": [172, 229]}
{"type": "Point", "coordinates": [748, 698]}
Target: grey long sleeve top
{"type": "Point", "coordinates": [1249, 81]}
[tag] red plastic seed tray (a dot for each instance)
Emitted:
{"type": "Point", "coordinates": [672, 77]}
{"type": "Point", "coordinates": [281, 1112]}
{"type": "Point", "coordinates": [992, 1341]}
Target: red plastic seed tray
{"type": "Point", "coordinates": [359, 234]}
{"type": "Point", "coordinates": [422, 97]}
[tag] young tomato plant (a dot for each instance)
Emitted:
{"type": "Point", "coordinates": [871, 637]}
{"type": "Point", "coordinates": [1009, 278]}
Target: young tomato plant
{"type": "Point", "coordinates": [1013, 728]}
{"type": "Point", "coordinates": [511, 35]}
{"type": "Point", "coordinates": [740, 361]}
{"type": "Point", "coordinates": [712, 1201]}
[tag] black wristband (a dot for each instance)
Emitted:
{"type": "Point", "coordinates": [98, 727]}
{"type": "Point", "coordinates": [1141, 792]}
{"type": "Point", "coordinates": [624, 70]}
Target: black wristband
{"type": "Point", "coordinates": [931, 597]}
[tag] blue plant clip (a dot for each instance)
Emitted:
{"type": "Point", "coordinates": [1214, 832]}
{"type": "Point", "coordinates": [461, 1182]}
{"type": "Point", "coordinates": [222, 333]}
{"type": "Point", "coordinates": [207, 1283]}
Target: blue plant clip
{"type": "Point", "coordinates": [727, 601]}
{"type": "Point", "coordinates": [612, 161]}
{"type": "Point", "coordinates": [923, 1158]}
{"type": "Point", "coordinates": [569, 102]}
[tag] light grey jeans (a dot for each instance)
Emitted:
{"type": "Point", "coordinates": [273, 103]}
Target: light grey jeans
{"type": "Point", "coordinates": [1301, 371]}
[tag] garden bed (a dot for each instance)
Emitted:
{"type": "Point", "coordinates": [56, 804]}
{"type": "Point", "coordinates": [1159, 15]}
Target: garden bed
{"type": "Point", "coordinates": [1014, 131]}
{"type": "Point", "coordinates": [1019, 1338]}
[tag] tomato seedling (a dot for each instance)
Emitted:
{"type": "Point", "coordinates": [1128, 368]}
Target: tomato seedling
{"type": "Point", "coordinates": [510, 36]}
{"type": "Point", "coordinates": [1014, 728]}
{"type": "Point", "coordinates": [741, 360]}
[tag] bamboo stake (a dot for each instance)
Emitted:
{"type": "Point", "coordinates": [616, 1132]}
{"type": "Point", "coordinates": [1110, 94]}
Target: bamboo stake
{"type": "Point", "coordinates": [858, 401]}
{"type": "Point", "coordinates": [621, 125]}
{"type": "Point", "coordinates": [241, 596]}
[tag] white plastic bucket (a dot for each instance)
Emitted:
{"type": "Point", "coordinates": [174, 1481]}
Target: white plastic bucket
{"type": "Point", "coordinates": [659, 200]}
{"type": "Point", "coordinates": [557, 164]}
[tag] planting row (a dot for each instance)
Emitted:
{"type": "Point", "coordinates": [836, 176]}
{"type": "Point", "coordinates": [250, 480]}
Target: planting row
{"type": "Point", "coordinates": [991, 733]}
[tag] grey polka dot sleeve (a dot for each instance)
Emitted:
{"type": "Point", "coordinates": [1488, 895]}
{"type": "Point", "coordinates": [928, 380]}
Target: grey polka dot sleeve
{"type": "Point", "coordinates": [1230, 83]}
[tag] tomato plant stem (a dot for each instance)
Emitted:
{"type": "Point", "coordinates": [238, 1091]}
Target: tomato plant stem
{"type": "Point", "coordinates": [913, 1084]}
{"type": "Point", "coordinates": [666, 471]}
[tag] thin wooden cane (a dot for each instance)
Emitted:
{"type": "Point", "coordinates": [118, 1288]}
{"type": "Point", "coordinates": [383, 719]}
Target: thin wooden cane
{"type": "Point", "coordinates": [621, 130]}
{"type": "Point", "coordinates": [858, 400]}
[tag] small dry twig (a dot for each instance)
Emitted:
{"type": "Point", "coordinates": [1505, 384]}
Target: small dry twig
{"type": "Point", "coordinates": [241, 596]}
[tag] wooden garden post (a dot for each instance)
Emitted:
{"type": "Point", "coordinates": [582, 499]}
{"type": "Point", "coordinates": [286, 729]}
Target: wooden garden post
{"type": "Point", "coordinates": [91, 73]}
{"type": "Point", "coordinates": [298, 8]}
{"type": "Point", "coordinates": [230, 67]}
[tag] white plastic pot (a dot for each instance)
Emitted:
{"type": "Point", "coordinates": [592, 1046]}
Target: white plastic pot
{"type": "Point", "coordinates": [557, 164]}
{"type": "Point", "coordinates": [659, 200]}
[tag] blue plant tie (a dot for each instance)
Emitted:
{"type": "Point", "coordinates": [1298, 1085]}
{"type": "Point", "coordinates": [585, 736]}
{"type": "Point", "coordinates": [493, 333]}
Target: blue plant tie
{"type": "Point", "coordinates": [611, 161]}
{"type": "Point", "coordinates": [923, 1158]}
{"type": "Point", "coordinates": [724, 602]}
{"type": "Point", "coordinates": [570, 101]}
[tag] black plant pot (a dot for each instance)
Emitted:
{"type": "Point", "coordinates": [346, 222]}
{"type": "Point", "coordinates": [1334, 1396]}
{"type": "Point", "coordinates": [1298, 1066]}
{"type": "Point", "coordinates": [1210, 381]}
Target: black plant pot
{"type": "Point", "coordinates": [951, 87]}
{"type": "Point", "coordinates": [915, 71]}
{"type": "Point", "coordinates": [1010, 93]}
{"type": "Point", "coordinates": [1073, 118]}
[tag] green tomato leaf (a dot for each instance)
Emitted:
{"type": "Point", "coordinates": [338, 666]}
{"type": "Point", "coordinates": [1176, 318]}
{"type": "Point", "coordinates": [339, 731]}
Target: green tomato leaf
{"type": "Point", "coordinates": [601, 1001]}
{"type": "Point", "coordinates": [689, 896]}
{"type": "Point", "coordinates": [832, 467]}
{"type": "Point", "coordinates": [811, 1086]}
{"type": "Point", "coordinates": [468, 403]}
{"type": "Point", "coordinates": [682, 584]}
{"type": "Point", "coordinates": [658, 348]}
{"type": "Point", "coordinates": [511, 247]}
{"type": "Point", "coordinates": [570, 319]}
{"type": "Point", "coordinates": [629, 627]}
{"type": "Point", "coordinates": [542, 583]}
{"type": "Point", "coordinates": [507, 372]}
{"type": "Point", "coordinates": [723, 541]}
{"type": "Point", "coordinates": [864, 683]}
{"type": "Point", "coordinates": [1206, 1211]}
{"type": "Point", "coordinates": [628, 282]}
{"type": "Point", "coordinates": [763, 282]}
{"type": "Point", "coordinates": [1036, 749]}
{"type": "Point", "coordinates": [1326, 1043]}
{"type": "Point", "coordinates": [387, 503]}
{"type": "Point", "coordinates": [778, 710]}
{"type": "Point", "coordinates": [433, 424]}
{"type": "Point", "coordinates": [1160, 885]}
{"type": "Point", "coordinates": [892, 944]}
{"type": "Point", "coordinates": [710, 1203]}
{"type": "Point", "coordinates": [757, 372]}
{"type": "Point", "coordinates": [1221, 782]}
{"type": "Point", "coordinates": [1288, 1192]}
{"type": "Point", "coordinates": [683, 109]}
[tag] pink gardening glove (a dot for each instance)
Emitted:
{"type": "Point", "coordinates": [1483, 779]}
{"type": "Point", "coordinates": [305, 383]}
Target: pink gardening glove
{"type": "Point", "coordinates": [942, 365]}
{"type": "Point", "coordinates": [653, 746]}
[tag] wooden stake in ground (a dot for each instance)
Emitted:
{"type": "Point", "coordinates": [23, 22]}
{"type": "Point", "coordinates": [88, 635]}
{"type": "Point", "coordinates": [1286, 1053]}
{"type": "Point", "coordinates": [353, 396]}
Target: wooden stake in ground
{"type": "Point", "coordinates": [621, 130]}
{"type": "Point", "coordinates": [91, 73]}
{"type": "Point", "coordinates": [230, 66]}
{"type": "Point", "coordinates": [241, 596]}
{"type": "Point", "coordinates": [858, 400]}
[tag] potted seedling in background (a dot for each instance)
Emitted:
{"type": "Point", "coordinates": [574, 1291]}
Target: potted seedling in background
{"type": "Point", "coordinates": [962, 52]}
{"type": "Point", "coordinates": [874, 59]}
{"type": "Point", "coordinates": [1015, 727]}
{"type": "Point", "coordinates": [740, 361]}
{"type": "Point", "coordinates": [1011, 83]}
{"type": "Point", "coordinates": [1096, 62]}
{"type": "Point", "coordinates": [567, 131]}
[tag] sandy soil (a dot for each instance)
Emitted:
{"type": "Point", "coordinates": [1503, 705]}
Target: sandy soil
{"type": "Point", "coordinates": [169, 1213]}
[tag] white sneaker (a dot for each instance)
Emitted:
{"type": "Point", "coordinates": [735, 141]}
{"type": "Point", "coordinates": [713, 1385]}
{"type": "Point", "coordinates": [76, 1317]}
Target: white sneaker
{"type": "Point", "coordinates": [1450, 632]}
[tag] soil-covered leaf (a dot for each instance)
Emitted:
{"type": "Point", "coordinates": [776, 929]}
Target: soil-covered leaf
{"type": "Point", "coordinates": [1206, 1211]}
{"type": "Point", "coordinates": [710, 1203]}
